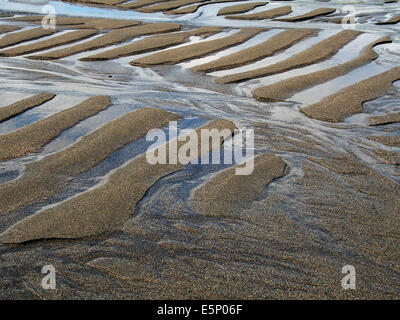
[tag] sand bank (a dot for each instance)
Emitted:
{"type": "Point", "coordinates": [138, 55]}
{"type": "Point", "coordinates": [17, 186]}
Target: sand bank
{"type": "Point", "coordinates": [240, 8]}
{"type": "Point", "coordinates": [319, 52]}
{"type": "Point", "coordinates": [386, 119]}
{"type": "Point", "coordinates": [33, 137]}
{"type": "Point", "coordinates": [267, 14]}
{"type": "Point", "coordinates": [52, 173]}
{"type": "Point", "coordinates": [21, 106]}
{"type": "Point", "coordinates": [277, 43]}
{"type": "Point", "coordinates": [348, 101]}
{"type": "Point", "coordinates": [286, 88]}
{"type": "Point", "coordinates": [309, 15]}
{"type": "Point", "coordinates": [173, 56]}
{"type": "Point", "coordinates": [25, 35]}
{"type": "Point", "coordinates": [104, 207]}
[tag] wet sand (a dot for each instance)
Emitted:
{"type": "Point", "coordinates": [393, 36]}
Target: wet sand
{"type": "Point", "coordinates": [267, 14]}
{"type": "Point", "coordinates": [309, 15]}
{"type": "Point", "coordinates": [192, 9]}
{"type": "Point", "coordinates": [240, 8]}
{"type": "Point", "coordinates": [270, 47]}
{"type": "Point", "coordinates": [386, 119]}
{"type": "Point", "coordinates": [19, 107]}
{"type": "Point", "coordinates": [24, 35]}
{"type": "Point", "coordinates": [104, 207]}
{"type": "Point", "coordinates": [319, 52]}
{"type": "Point", "coordinates": [173, 56]}
{"type": "Point", "coordinates": [51, 174]}
{"type": "Point", "coordinates": [333, 108]}
{"type": "Point", "coordinates": [15, 144]}
{"type": "Point", "coordinates": [285, 89]}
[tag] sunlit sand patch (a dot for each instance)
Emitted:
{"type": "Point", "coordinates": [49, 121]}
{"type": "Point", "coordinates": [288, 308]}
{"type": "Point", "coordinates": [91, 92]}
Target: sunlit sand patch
{"type": "Point", "coordinates": [16, 144]}
{"type": "Point", "coordinates": [240, 8]}
{"type": "Point", "coordinates": [21, 106]}
{"type": "Point", "coordinates": [321, 51]}
{"type": "Point", "coordinates": [110, 38]}
{"type": "Point", "coordinates": [5, 29]}
{"type": "Point", "coordinates": [349, 100]}
{"type": "Point", "coordinates": [169, 5]}
{"type": "Point", "coordinates": [103, 207]}
{"type": "Point", "coordinates": [309, 15]}
{"type": "Point", "coordinates": [173, 56]}
{"type": "Point", "coordinates": [384, 119]}
{"type": "Point", "coordinates": [193, 8]}
{"type": "Point", "coordinates": [227, 191]}
{"type": "Point", "coordinates": [24, 35]}
{"type": "Point", "coordinates": [267, 14]}
{"type": "Point", "coordinates": [285, 89]}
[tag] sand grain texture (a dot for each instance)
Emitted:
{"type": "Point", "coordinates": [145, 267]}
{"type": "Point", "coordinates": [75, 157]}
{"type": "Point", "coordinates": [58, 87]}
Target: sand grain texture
{"type": "Point", "coordinates": [104, 207]}
{"type": "Point", "coordinates": [385, 119]}
{"type": "Point", "coordinates": [173, 56]}
{"type": "Point", "coordinates": [227, 192]}
{"type": "Point", "coordinates": [24, 35]}
{"type": "Point", "coordinates": [50, 174]}
{"type": "Point", "coordinates": [319, 52]}
{"type": "Point", "coordinates": [348, 101]}
{"type": "Point", "coordinates": [21, 106]}
{"type": "Point", "coordinates": [34, 136]}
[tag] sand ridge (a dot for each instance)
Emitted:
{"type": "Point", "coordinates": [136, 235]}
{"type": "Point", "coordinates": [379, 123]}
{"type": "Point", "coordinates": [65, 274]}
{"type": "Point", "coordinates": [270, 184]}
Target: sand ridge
{"type": "Point", "coordinates": [226, 192]}
{"type": "Point", "coordinates": [15, 144]}
{"type": "Point", "coordinates": [193, 8]}
{"type": "Point", "coordinates": [240, 8]}
{"type": "Point", "coordinates": [385, 119]}
{"type": "Point", "coordinates": [286, 88]}
{"type": "Point", "coordinates": [5, 28]}
{"type": "Point", "coordinates": [173, 56]}
{"type": "Point", "coordinates": [24, 35]}
{"type": "Point", "coordinates": [50, 174]}
{"type": "Point", "coordinates": [319, 52]}
{"type": "Point", "coordinates": [21, 106]}
{"type": "Point", "coordinates": [275, 44]}
{"type": "Point", "coordinates": [104, 207]}
{"type": "Point", "coordinates": [267, 14]}
{"type": "Point", "coordinates": [110, 38]}
{"type": "Point", "coordinates": [348, 101]}
{"type": "Point", "coordinates": [308, 15]}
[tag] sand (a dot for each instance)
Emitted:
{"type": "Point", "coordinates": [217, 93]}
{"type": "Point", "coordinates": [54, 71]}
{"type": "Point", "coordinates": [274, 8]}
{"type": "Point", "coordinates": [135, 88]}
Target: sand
{"type": "Point", "coordinates": [385, 119]}
{"type": "Point", "coordinates": [348, 101]}
{"type": "Point", "coordinates": [52, 173]}
{"type": "Point", "coordinates": [227, 192]}
{"type": "Point", "coordinates": [25, 35]}
{"type": "Point", "coordinates": [388, 157]}
{"type": "Point", "coordinates": [150, 44]}
{"type": "Point", "coordinates": [193, 8]}
{"type": "Point", "coordinates": [319, 52]}
{"type": "Point", "coordinates": [173, 56]}
{"type": "Point", "coordinates": [49, 43]}
{"type": "Point", "coordinates": [102, 208]}
{"type": "Point", "coordinates": [392, 20]}
{"type": "Point", "coordinates": [105, 2]}
{"type": "Point", "coordinates": [5, 29]}
{"type": "Point", "coordinates": [309, 15]}
{"type": "Point", "coordinates": [391, 141]}
{"type": "Point", "coordinates": [83, 23]}
{"type": "Point", "coordinates": [139, 3]}
{"type": "Point", "coordinates": [286, 88]}
{"type": "Point", "coordinates": [270, 47]}
{"type": "Point", "coordinates": [16, 144]}
{"type": "Point", "coordinates": [267, 14]}
{"type": "Point", "coordinates": [169, 5]}
{"type": "Point", "coordinates": [110, 38]}
{"type": "Point", "coordinates": [239, 8]}
{"type": "Point", "coordinates": [21, 106]}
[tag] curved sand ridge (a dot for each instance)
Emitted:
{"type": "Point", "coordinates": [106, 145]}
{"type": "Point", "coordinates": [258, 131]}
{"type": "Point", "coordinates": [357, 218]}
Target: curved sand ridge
{"type": "Point", "coordinates": [108, 39]}
{"type": "Point", "coordinates": [173, 56]}
{"type": "Point", "coordinates": [277, 43]}
{"type": "Point", "coordinates": [267, 14]}
{"type": "Point", "coordinates": [227, 192]}
{"type": "Point", "coordinates": [385, 119]}
{"type": "Point", "coordinates": [169, 5]}
{"type": "Point", "coordinates": [309, 15]}
{"type": "Point", "coordinates": [286, 88]}
{"type": "Point", "coordinates": [52, 173]}
{"type": "Point", "coordinates": [139, 3]}
{"type": "Point", "coordinates": [240, 8]}
{"type": "Point", "coordinates": [151, 43]}
{"type": "Point", "coordinates": [192, 9]}
{"type": "Point", "coordinates": [21, 106]}
{"type": "Point", "coordinates": [49, 43]}
{"type": "Point", "coordinates": [104, 207]}
{"type": "Point", "coordinates": [319, 52]}
{"type": "Point", "coordinates": [24, 35]}
{"type": "Point", "coordinates": [16, 144]}
{"type": "Point", "coordinates": [348, 101]}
